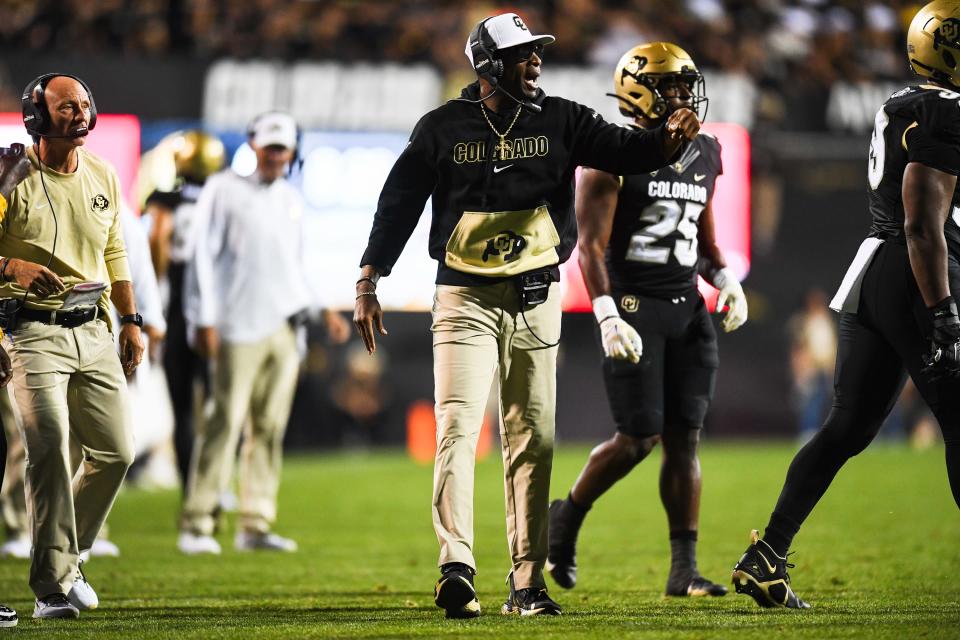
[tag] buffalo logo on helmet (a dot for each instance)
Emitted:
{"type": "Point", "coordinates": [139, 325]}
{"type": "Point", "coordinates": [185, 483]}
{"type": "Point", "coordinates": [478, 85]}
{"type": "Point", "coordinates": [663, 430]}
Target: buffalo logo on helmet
{"type": "Point", "coordinates": [506, 243]}
{"type": "Point", "coordinates": [99, 203]}
{"type": "Point", "coordinates": [632, 69]}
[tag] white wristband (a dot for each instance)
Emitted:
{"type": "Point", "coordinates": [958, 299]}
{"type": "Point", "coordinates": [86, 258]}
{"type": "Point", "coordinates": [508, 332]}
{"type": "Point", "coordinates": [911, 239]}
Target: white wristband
{"type": "Point", "coordinates": [721, 277]}
{"type": "Point", "coordinates": [604, 307]}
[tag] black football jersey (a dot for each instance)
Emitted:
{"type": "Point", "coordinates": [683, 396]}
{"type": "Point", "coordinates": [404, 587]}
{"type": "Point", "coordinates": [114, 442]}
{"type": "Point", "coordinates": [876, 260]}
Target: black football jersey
{"type": "Point", "coordinates": [653, 243]}
{"type": "Point", "coordinates": [919, 123]}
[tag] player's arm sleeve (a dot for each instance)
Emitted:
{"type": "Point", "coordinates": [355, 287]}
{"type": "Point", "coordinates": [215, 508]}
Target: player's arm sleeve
{"type": "Point", "coordinates": [115, 253]}
{"type": "Point", "coordinates": [201, 296]}
{"type": "Point", "coordinates": [935, 140]}
{"type": "Point", "coordinates": [614, 149]}
{"type": "Point", "coordinates": [404, 195]}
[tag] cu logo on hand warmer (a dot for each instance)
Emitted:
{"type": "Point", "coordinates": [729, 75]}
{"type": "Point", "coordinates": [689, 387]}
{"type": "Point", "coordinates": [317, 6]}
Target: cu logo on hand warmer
{"type": "Point", "coordinates": [506, 243]}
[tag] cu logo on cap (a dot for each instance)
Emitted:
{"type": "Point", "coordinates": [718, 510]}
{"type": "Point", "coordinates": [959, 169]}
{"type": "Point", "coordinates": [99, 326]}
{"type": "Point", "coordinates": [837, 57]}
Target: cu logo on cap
{"type": "Point", "coordinates": [517, 21]}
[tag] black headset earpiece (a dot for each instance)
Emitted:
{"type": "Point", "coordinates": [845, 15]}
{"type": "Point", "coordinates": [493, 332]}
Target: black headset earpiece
{"type": "Point", "coordinates": [484, 52]}
{"type": "Point", "coordinates": [33, 104]}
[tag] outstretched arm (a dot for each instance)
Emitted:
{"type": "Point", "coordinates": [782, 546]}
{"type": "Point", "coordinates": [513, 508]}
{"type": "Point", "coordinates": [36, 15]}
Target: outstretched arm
{"type": "Point", "coordinates": [597, 195]}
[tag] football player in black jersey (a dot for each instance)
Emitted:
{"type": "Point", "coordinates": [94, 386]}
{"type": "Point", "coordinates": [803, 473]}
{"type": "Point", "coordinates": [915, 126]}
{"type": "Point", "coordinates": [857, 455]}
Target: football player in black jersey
{"type": "Point", "coordinates": [897, 311]}
{"type": "Point", "coordinates": [643, 240]}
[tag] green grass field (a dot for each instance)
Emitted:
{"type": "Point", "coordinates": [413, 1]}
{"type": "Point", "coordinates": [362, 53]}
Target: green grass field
{"type": "Point", "coordinates": [877, 558]}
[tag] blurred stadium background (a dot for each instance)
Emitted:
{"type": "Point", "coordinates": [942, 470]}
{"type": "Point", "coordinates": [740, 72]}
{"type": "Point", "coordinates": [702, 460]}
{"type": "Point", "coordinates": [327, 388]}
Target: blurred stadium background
{"type": "Point", "coordinates": [794, 85]}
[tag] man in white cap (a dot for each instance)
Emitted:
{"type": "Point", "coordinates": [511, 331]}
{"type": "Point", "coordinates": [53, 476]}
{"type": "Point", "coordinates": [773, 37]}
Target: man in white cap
{"type": "Point", "coordinates": [499, 163]}
{"type": "Point", "coordinates": [245, 289]}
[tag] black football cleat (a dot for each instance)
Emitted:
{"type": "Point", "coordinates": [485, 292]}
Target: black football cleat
{"type": "Point", "coordinates": [454, 592]}
{"type": "Point", "coordinates": [562, 546]}
{"type": "Point", "coordinates": [762, 575]}
{"type": "Point", "coordinates": [532, 601]}
{"type": "Point", "coordinates": [695, 587]}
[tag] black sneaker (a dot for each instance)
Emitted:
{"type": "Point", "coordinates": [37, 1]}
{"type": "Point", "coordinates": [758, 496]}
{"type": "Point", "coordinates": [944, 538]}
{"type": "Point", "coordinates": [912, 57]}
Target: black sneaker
{"type": "Point", "coordinates": [532, 601]}
{"type": "Point", "coordinates": [562, 549]}
{"type": "Point", "coordinates": [694, 587]}
{"type": "Point", "coordinates": [455, 593]}
{"type": "Point", "coordinates": [766, 582]}
{"type": "Point", "coordinates": [8, 617]}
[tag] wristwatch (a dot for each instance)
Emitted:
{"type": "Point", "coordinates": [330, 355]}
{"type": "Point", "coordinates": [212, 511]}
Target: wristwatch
{"type": "Point", "coordinates": [133, 318]}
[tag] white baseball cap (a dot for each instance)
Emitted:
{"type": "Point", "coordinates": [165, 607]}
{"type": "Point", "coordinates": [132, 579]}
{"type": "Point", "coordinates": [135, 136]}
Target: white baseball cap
{"type": "Point", "coordinates": [508, 30]}
{"type": "Point", "coordinates": [274, 127]}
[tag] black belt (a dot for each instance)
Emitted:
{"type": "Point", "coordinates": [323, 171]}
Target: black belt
{"type": "Point", "coordinates": [68, 319]}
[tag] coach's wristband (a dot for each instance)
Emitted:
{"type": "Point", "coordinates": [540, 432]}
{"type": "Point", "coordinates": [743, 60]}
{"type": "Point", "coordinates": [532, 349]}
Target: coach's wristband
{"type": "Point", "coordinates": [604, 308]}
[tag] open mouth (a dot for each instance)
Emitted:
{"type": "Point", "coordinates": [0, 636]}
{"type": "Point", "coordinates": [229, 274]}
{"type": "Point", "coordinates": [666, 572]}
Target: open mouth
{"type": "Point", "coordinates": [530, 80]}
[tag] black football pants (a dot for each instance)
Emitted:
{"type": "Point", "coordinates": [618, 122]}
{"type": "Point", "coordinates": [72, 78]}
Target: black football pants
{"type": "Point", "coordinates": [183, 367]}
{"type": "Point", "coordinates": [878, 347]}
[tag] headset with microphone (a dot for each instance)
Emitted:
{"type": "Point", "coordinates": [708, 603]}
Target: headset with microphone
{"type": "Point", "coordinates": [36, 115]}
{"type": "Point", "coordinates": [36, 120]}
{"type": "Point", "coordinates": [489, 66]}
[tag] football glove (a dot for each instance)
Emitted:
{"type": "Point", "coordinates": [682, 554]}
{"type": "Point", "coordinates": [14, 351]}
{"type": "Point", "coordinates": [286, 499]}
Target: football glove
{"type": "Point", "coordinates": [731, 296]}
{"type": "Point", "coordinates": [620, 340]}
{"type": "Point", "coordinates": [944, 357]}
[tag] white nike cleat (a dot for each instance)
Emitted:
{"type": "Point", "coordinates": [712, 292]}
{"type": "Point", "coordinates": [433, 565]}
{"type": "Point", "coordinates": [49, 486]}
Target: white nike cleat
{"type": "Point", "coordinates": [104, 549]}
{"type": "Point", "coordinates": [194, 544]}
{"type": "Point", "coordinates": [82, 595]}
{"type": "Point", "coordinates": [257, 541]}
{"type": "Point", "coordinates": [55, 605]}
{"type": "Point", "coordinates": [18, 547]}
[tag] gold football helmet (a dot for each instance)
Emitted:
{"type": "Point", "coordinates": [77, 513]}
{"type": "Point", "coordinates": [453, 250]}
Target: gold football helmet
{"type": "Point", "coordinates": [196, 155]}
{"type": "Point", "coordinates": [639, 72]}
{"type": "Point", "coordinates": [933, 42]}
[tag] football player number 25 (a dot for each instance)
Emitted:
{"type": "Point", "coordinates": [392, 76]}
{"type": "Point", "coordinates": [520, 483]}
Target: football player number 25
{"type": "Point", "coordinates": [666, 217]}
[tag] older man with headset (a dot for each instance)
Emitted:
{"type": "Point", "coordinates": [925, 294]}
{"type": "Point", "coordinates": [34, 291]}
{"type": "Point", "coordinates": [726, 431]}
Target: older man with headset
{"type": "Point", "coordinates": [499, 163]}
{"type": "Point", "coordinates": [63, 262]}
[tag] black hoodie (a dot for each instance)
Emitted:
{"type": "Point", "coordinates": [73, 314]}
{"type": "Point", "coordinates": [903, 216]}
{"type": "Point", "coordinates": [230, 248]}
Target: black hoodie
{"type": "Point", "coordinates": [452, 155]}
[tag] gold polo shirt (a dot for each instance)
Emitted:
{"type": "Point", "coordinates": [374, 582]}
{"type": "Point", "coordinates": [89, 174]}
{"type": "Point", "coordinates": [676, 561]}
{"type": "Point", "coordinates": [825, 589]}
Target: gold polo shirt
{"type": "Point", "coordinates": [89, 243]}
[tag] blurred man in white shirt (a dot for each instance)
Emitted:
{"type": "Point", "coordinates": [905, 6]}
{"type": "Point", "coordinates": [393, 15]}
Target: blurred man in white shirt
{"type": "Point", "coordinates": [246, 284]}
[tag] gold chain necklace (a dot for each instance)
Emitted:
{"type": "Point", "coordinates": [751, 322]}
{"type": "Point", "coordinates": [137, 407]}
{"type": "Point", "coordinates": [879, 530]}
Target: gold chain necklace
{"type": "Point", "coordinates": [505, 150]}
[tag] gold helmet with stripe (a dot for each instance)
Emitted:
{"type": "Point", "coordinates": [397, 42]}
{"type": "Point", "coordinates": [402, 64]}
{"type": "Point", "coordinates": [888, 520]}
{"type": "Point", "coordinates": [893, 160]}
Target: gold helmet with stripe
{"type": "Point", "coordinates": [933, 42]}
{"type": "Point", "coordinates": [639, 73]}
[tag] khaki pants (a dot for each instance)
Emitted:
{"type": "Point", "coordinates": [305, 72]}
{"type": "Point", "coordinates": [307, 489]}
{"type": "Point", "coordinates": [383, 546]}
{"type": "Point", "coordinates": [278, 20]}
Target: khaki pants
{"type": "Point", "coordinates": [256, 380]}
{"type": "Point", "coordinates": [13, 503]}
{"type": "Point", "coordinates": [69, 383]}
{"type": "Point", "coordinates": [478, 332]}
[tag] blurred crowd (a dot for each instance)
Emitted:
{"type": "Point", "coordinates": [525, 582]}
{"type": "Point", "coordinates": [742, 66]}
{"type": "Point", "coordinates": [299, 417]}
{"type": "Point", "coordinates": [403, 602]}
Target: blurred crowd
{"type": "Point", "coordinates": [783, 41]}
